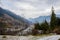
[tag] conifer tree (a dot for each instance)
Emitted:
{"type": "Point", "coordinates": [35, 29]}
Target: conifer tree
{"type": "Point", "coordinates": [53, 19]}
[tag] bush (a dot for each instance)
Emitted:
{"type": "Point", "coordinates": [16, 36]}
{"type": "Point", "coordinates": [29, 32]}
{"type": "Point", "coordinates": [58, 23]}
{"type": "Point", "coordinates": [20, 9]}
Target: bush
{"type": "Point", "coordinates": [4, 37]}
{"type": "Point", "coordinates": [58, 39]}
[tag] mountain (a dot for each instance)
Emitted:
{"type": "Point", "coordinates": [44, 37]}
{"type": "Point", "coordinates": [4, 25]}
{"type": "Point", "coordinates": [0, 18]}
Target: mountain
{"type": "Point", "coordinates": [41, 19]}
{"type": "Point", "coordinates": [4, 11]}
{"type": "Point", "coordinates": [11, 23]}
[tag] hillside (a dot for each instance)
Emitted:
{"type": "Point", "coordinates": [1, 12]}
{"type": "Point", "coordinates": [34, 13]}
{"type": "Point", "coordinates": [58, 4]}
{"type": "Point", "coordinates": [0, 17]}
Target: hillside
{"type": "Point", "coordinates": [11, 24]}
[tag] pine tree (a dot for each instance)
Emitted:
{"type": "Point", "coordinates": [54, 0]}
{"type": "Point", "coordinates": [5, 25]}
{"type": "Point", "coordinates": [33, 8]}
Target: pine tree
{"type": "Point", "coordinates": [44, 26]}
{"type": "Point", "coordinates": [37, 26]}
{"type": "Point", "coordinates": [53, 19]}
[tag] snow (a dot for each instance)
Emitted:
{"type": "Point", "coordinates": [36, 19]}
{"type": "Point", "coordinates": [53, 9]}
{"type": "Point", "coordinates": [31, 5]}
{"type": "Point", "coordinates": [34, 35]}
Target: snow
{"type": "Point", "coordinates": [53, 37]}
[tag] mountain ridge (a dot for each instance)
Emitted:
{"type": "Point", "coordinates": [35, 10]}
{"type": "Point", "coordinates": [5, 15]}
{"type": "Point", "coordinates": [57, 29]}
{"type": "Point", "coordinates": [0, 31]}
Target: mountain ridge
{"type": "Point", "coordinates": [13, 15]}
{"type": "Point", "coordinates": [41, 19]}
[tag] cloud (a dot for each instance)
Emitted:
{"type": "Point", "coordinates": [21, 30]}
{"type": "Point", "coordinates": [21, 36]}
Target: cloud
{"type": "Point", "coordinates": [24, 5]}
{"type": "Point", "coordinates": [31, 8]}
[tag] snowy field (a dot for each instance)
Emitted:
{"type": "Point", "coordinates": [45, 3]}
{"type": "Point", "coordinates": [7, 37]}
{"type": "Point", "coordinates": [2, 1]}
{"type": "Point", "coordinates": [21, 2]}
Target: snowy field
{"type": "Point", "coordinates": [53, 37]}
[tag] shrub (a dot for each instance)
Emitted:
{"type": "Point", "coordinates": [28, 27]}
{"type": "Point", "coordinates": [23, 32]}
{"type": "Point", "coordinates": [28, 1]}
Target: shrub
{"type": "Point", "coordinates": [4, 37]}
{"type": "Point", "coordinates": [59, 39]}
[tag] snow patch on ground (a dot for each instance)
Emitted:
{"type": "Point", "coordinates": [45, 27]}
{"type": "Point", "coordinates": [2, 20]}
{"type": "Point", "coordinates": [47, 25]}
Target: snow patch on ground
{"type": "Point", "coordinates": [53, 37]}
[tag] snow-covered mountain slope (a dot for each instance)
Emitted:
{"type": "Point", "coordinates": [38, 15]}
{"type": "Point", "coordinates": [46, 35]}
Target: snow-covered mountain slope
{"type": "Point", "coordinates": [14, 23]}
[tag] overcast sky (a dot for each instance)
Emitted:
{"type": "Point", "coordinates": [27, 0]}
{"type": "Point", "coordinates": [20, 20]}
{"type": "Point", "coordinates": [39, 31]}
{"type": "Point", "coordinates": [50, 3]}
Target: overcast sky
{"type": "Point", "coordinates": [31, 8]}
